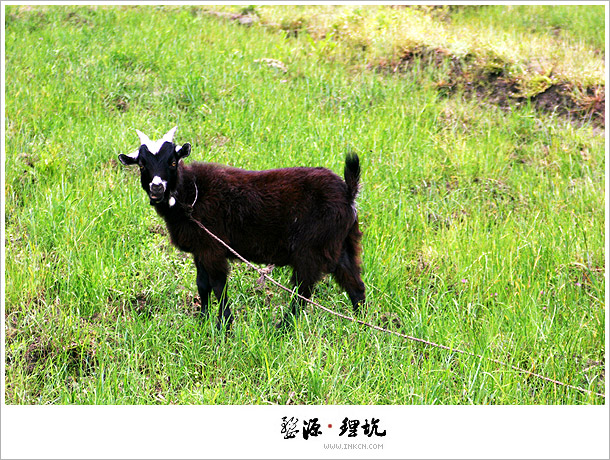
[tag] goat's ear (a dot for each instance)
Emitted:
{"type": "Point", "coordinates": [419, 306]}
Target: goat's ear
{"type": "Point", "coordinates": [184, 151]}
{"type": "Point", "coordinates": [130, 159]}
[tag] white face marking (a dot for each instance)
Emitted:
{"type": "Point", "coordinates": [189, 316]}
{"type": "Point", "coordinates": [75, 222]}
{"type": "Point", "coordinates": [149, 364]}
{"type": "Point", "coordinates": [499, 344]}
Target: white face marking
{"type": "Point", "coordinates": [154, 146]}
{"type": "Point", "coordinates": [178, 148]}
{"type": "Point", "coordinates": [172, 201]}
{"type": "Point", "coordinates": [158, 181]}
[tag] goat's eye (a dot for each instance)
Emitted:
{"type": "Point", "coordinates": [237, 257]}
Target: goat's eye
{"type": "Point", "coordinates": [141, 166]}
{"type": "Point", "coordinates": [174, 164]}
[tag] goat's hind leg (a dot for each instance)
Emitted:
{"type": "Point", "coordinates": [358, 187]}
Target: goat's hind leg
{"type": "Point", "coordinates": [305, 280]}
{"type": "Point", "coordinates": [347, 275]}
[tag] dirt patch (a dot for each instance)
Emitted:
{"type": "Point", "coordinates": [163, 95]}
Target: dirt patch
{"type": "Point", "coordinates": [192, 303]}
{"type": "Point", "coordinates": [389, 321]}
{"type": "Point", "coordinates": [37, 351]}
{"type": "Point", "coordinates": [139, 304]}
{"type": "Point", "coordinates": [79, 358]}
{"type": "Point", "coordinates": [78, 20]}
{"type": "Point", "coordinates": [158, 229]}
{"type": "Point", "coordinates": [488, 80]}
{"type": "Point", "coordinates": [120, 104]}
{"type": "Point", "coordinates": [117, 103]}
{"type": "Point", "coordinates": [556, 98]}
{"type": "Point", "coordinates": [243, 18]}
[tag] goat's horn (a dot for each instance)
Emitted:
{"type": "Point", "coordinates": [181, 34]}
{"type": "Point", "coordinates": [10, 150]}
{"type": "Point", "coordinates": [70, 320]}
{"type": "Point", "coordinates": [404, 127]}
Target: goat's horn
{"type": "Point", "coordinates": [144, 140]}
{"type": "Point", "coordinates": [169, 137]}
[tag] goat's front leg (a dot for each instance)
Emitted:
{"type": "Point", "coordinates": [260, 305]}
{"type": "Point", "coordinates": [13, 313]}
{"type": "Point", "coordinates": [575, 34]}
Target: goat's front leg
{"type": "Point", "coordinates": [225, 317]}
{"type": "Point", "coordinates": [203, 286]}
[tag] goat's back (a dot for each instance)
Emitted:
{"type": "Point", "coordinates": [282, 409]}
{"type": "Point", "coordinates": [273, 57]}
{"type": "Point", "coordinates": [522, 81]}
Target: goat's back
{"type": "Point", "coordinates": [270, 214]}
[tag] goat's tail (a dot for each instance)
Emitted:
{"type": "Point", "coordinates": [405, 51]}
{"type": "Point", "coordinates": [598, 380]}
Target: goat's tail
{"type": "Point", "coordinates": [351, 172]}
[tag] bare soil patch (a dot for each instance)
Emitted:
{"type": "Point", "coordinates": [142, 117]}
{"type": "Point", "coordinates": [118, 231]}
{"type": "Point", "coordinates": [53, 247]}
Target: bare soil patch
{"type": "Point", "coordinates": [489, 82]}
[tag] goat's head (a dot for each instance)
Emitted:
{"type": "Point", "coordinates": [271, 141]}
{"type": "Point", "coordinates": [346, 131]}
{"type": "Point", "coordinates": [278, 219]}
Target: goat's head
{"type": "Point", "coordinates": [158, 162]}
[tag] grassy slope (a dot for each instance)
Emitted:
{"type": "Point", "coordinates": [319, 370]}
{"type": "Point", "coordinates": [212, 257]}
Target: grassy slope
{"type": "Point", "coordinates": [570, 39]}
{"type": "Point", "coordinates": [509, 53]}
{"type": "Point", "coordinates": [483, 228]}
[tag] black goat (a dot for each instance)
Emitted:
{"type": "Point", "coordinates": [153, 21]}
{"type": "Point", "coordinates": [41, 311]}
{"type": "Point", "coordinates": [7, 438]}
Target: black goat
{"type": "Point", "coordinates": [302, 217]}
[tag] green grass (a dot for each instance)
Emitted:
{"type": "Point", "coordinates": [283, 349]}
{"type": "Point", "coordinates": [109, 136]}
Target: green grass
{"type": "Point", "coordinates": [571, 23]}
{"type": "Point", "coordinates": [483, 228]}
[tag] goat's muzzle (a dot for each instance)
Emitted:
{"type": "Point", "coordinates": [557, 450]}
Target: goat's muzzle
{"type": "Point", "coordinates": [157, 192]}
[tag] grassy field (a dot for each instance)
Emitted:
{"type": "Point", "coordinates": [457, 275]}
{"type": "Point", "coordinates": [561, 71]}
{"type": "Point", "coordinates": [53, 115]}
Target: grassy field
{"type": "Point", "coordinates": [483, 225]}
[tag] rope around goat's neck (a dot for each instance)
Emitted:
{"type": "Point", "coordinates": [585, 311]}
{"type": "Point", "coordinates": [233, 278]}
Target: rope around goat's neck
{"type": "Point", "coordinates": [188, 209]}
